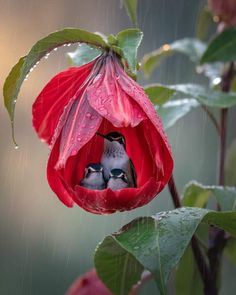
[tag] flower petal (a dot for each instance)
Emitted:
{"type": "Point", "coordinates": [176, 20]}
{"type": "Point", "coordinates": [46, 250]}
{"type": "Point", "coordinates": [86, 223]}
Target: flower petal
{"type": "Point", "coordinates": [49, 105]}
{"type": "Point", "coordinates": [107, 97]}
{"type": "Point", "coordinates": [108, 201]}
{"type": "Point", "coordinates": [57, 184]}
{"type": "Point", "coordinates": [88, 284]}
{"type": "Point", "coordinates": [81, 124]}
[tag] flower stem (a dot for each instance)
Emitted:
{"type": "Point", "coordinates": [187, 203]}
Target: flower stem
{"type": "Point", "coordinates": [217, 237]}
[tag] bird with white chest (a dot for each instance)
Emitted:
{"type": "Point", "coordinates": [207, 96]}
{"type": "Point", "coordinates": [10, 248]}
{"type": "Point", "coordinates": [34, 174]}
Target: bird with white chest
{"type": "Point", "coordinates": [115, 157]}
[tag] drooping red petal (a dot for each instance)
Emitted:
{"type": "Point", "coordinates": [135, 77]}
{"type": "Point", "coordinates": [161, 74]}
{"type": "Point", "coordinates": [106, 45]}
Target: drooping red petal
{"type": "Point", "coordinates": [57, 184]}
{"type": "Point", "coordinates": [80, 126]}
{"type": "Point", "coordinates": [107, 97]}
{"type": "Point", "coordinates": [49, 105]}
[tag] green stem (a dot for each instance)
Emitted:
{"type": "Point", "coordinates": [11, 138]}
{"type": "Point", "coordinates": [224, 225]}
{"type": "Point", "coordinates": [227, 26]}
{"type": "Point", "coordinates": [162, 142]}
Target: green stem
{"type": "Point", "coordinates": [217, 237]}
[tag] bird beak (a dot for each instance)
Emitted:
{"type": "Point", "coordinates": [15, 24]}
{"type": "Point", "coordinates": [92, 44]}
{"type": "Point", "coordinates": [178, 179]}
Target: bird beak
{"type": "Point", "coordinates": [102, 135]}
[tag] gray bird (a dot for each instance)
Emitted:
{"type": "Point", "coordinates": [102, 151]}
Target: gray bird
{"type": "Point", "coordinates": [117, 180]}
{"type": "Point", "coordinates": [115, 157]}
{"type": "Point", "coordinates": [93, 177]}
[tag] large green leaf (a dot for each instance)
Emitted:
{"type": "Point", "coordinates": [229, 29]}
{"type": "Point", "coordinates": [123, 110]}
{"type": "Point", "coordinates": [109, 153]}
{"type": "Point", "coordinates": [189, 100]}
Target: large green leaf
{"type": "Point", "coordinates": [187, 277]}
{"type": "Point", "coordinates": [221, 48]}
{"type": "Point", "coordinates": [157, 243]}
{"type": "Point", "coordinates": [197, 195]}
{"type": "Point", "coordinates": [158, 94]}
{"type": "Point", "coordinates": [127, 45]}
{"type": "Point", "coordinates": [172, 111]}
{"type": "Point", "coordinates": [205, 96]}
{"type": "Point", "coordinates": [131, 8]}
{"type": "Point", "coordinates": [83, 54]}
{"type": "Point", "coordinates": [191, 47]}
{"type": "Point", "coordinates": [42, 48]}
{"type": "Point", "coordinates": [230, 164]}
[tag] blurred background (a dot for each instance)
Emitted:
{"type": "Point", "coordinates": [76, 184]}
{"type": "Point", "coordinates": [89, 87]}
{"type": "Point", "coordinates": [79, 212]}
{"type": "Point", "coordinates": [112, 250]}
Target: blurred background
{"type": "Point", "coordinates": [44, 246]}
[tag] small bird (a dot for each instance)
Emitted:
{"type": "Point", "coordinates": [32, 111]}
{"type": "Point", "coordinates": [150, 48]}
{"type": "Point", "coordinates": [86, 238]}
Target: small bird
{"type": "Point", "coordinates": [115, 157]}
{"type": "Point", "coordinates": [117, 180]}
{"type": "Point", "coordinates": [93, 177]}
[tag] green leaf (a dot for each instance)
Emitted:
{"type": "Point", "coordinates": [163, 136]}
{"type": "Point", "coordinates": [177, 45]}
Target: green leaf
{"type": "Point", "coordinates": [126, 270]}
{"type": "Point", "coordinates": [192, 48]}
{"type": "Point", "coordinates": [221, 48]}
{"type": "Point", "coordinates": [20, 71]}
{"type": "Point", "coordinates": [197, 195]}
{"type": "Point", "coordinates": [153, 243]}
{"type": "Point", "coordinates": [158, 94]}
{"type": "Point", "coordinates": [230, 164]}
{"type": "Point", "coordinates": [187, 278]}
{"type": "Point", "coordinates": [131, 9]}
{"type": "Point", "coordinates": [204, 96]}
{"type": "Point", "coordinates": [128, 42]}
{"type": "Point", "coordinates": [172, 111]}
{"type": "Point", "coordinates": [83, 55]}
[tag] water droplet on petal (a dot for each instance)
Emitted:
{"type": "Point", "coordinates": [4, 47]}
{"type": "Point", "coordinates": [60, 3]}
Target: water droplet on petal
{"type": "Point", "coordinates": [88, 115]}
{"type": "Point", "coordinates": [79, 138]}
{"type": "Point", "coordinates": [69, 44]}
{"type": "Point", "coordinates": [16, 147]}
{"type": "Point", "coordinates": [31, 70]}
{"type": "Point", "coordinates": [55, 49]}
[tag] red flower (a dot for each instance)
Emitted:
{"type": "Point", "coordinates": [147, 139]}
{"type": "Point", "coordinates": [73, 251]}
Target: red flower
{"type": "Point", "coordinates": [88, 284]}
{"type": "Point", "coordinates": [225, 12]}
{"type": "Point", "coordinates": [100, 97]}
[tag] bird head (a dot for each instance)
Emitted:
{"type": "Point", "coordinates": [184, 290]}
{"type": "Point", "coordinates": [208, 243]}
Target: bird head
{"type": "Point", "coordinates": [114, 136]}
{"type": "Point", "coordinates": [118, 174]}
{"type": "Point", "coordinates": [93, 168]}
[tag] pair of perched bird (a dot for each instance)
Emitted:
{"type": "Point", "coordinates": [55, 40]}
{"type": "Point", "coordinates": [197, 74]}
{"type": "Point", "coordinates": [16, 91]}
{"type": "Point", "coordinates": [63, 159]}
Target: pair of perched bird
{"type": "Point", "coordinates": [116, 170]}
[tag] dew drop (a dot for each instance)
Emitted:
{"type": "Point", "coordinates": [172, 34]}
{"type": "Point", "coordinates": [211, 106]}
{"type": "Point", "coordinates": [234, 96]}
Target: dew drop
{"type": "Point", "coordinates": [55, 49]}
{"type": "Point", "coordinates": [16, 147]}
{"type": "Point", "coordinates": [37, 62]}
{"type": "Point", "coordinates": [46, 56]}
{"type": "Point", "coordinates": [88, 115]}
{"type": "Point", "coordinates": [69, 44]}
{"type": "Point", "coordinates": [79, 138]}
{"type": "Point", "coordinates": [14, 101]}
{"type": "Point", "coordinates": [31, 70]}
{"type": "Point", "coordinates": [64, 45]}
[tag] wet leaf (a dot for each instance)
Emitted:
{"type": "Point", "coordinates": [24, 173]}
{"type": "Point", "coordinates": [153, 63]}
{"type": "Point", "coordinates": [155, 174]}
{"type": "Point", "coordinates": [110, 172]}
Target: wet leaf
{"type": "Point", "coordinates": [131, 9]}
{"type": "Point", "coordinates": [230, 165]}
{"type": "Point", "coordinates": [158, 94]}
{"type": "Point", "coordinates": [128, 42]}
{"type": "Point", "coordinates": [221, 48]}
{"type": "Point", "coordinates": [192, 48]}
{"type": "Point", "coordinates": [187, 278]}
{"type": "Point", "coordinates": [83, 55]}
{"type": "Point", "coordinates": [204, 96]}
{"type": "Point", "coordinates": [197, 195]}
{"type": "Point", "coordinates": [172, 111]}
{"type": "Point", "coordinates": [41, 48]}
{"type": "Point", "coordinates": [157, 243]}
